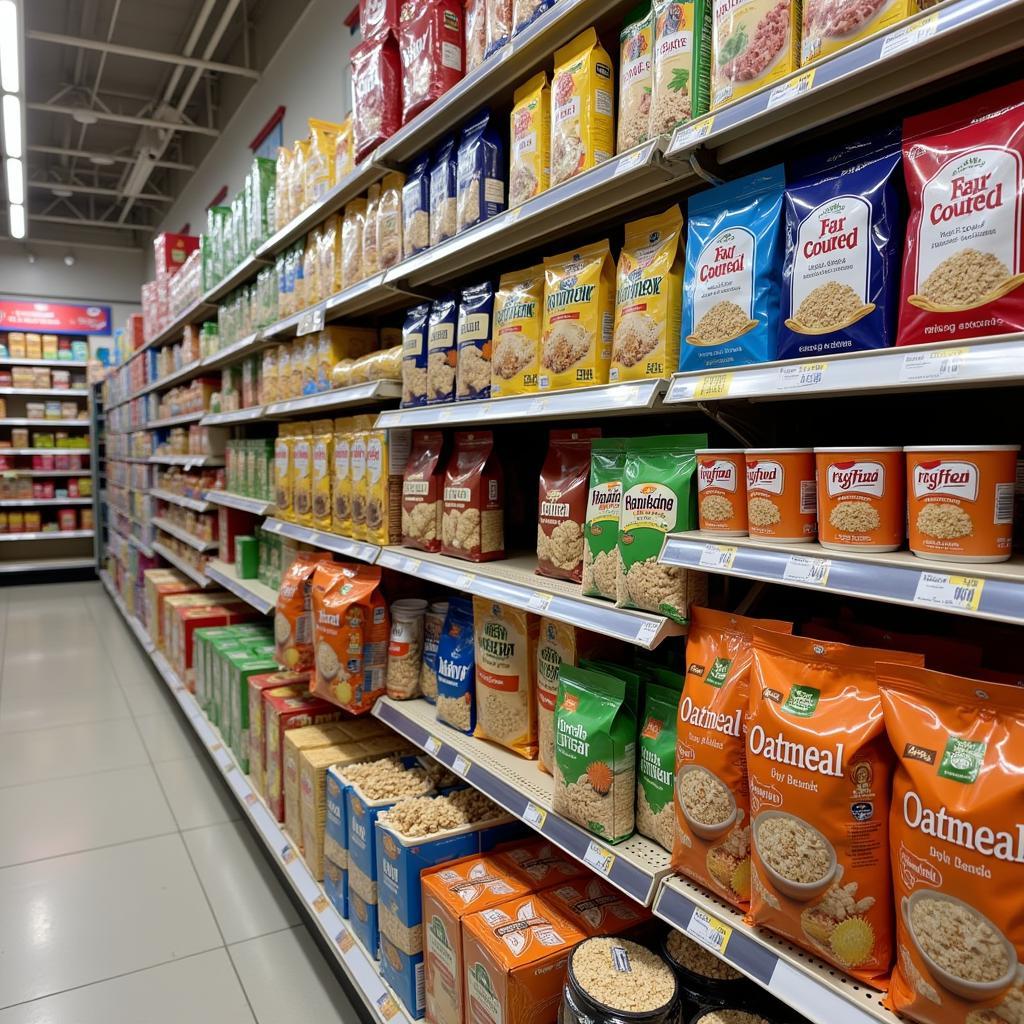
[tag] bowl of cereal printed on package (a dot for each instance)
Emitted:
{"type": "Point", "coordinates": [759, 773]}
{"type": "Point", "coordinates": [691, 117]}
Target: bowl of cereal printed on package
{"type": "Point", "coordinates": [965, 952]}
{"type": "Point", "coordinates": [799, 861]}
{"type": "Point", "coordinates": [707, 803]}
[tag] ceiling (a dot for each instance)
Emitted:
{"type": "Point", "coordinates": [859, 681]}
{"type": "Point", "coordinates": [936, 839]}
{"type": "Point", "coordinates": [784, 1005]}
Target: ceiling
{"type": "Point", "coordinates": [101, 166]}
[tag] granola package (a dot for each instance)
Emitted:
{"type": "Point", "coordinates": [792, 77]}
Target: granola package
{"type": "Point", "coordinates": [414, 356]}
{"type": "Point", "coordinates": [442, 350]}
{"type": "Point", "coordinates": [376, 69]}
{"type": "Point", "coordinates": [819, 771]}
{"type": "Point", "coordinates": [473, 341]}
{"type": "Point", "coordinates": [293, 616]}
{"type": "Point", "coordinates": [481, 172]}
{"type": "Point", "coordinates": [659, 496]}
{"type": "Point", "coordinates": [422, 491]}
{"type": "Point", "coordinates": [443, 188]}
{"type": "Point", "coordinates": [430, 42]}
{"type": "Point", "coordinates": [712, 803]}
{"type": "Point", "coordinates": [680, 73]}
{"type": "Point", "coordinates": [389, 220]}
{"type": "Point", "coordinates": [456, 667]}
{"type": "Point", "coordinates": [529, 157]}
{"type": "Point", "coordinates": [416, 209]}
{"type": "Point", "coordinates": [476, 33]}
{"type": "Point", "coordinates": [472, 520]}
{"type": "Point", "coordinates": [601, 527]}
{"type": "Point", "coordinates": [562, 504]}
{"type": "Point", "coordinates": [518, 321]}
{"type": "Point", "coordinates": [352, 243]}
{"type": "Point", "coordinates": [656, 764]}
{"type": "Point", "coordinates": [635, 79]}
{"type": "Point", "coordinates": [957, 801]}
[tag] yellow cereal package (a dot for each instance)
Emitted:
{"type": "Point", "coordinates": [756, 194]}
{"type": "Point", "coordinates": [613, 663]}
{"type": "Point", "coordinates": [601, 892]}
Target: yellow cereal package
{"type": "Point", "coordinates": [754, 43]}
{"type": "Point", "coordinates": [582, 122]}
{"type": "Point", "coordinates": [283, 187]}
{"type": "Point", "coordinates": [579, 314]}
{"type": "Point", "coordinates": [371, 256]}
{"type": "Point", "coordinates": [320, 163]}
{"type": "Point", "coordinates": [530, 151]}
{"type": "Point", "coordinates": [330, 255]}
{"type": "Point", "coordinates": [344, 153]}
{"type": "Point", "coordinates": [322, 453]}
{"type": "Point", "coordinates": [387, 452]}
{"type": "Point", "coordinates": [648, 298]}
{"type": "Point", "coordinates": [828, 27]}
{"type": "Point", "coordinates": [352, 243]}
{"type": "Point", "coordinates": [302, 474]}
{"type": "Point", "coordinates": [297, 179]}
{"type": "Point", "coordinates": [335, 343]}
{"type": "Point", "coordinates": [283, 471]}
{"type": "Point", "coordinates": [515, 355]}
{"type": "Point", "coordinates": [268, 376]}
{"type": "Point", "coordinates": [357, 472]}
{"type": "Point", "coordinates": [341, 487]}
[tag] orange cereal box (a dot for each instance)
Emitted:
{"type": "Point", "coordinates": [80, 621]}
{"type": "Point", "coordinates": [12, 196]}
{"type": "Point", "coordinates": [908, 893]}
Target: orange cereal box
{"type": "Point", "coordinates": [722, 491]}
{"type": "Point", "coordinates": [595, 907]}
{"type": "Point", "coordinates": [781, 494]}
{"type": "Point", "coordinates": [957, 845]}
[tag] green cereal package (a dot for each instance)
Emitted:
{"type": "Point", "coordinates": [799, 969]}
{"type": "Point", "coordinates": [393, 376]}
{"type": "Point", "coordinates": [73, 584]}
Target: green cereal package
{"type": "Point", "coordinates": [595, 753]}
{"type": "Point", "coordinates": [601, 529]}
{"type": "Point", "coordinates": [656, 762]}
{"type": "Point", "coordinates": [659, 497]}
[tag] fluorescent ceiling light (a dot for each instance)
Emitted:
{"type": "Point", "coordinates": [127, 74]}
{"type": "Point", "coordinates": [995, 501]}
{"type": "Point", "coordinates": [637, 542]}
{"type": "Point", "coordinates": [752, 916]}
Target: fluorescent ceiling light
{"type": "Point", "coordinates": [102, 161]}
{"type": "Point", "coordinates": [84, 116]}
{"type": "Point", "coordinates": [12, 126]}
{"type": "Point", "coordinates": [10, 78]}
{"type": "Point", "coordinates": [16, 221]}
{"type": "Point", "coordinates": [15, 182]}
{"type": "Point", "coordinates": [61, 193]}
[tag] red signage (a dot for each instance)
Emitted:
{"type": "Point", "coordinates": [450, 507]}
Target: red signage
{"type": "Point", "coordinates": [53, 317]}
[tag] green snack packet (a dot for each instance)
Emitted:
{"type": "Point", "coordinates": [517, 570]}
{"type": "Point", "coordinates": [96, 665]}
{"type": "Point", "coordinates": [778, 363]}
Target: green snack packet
{"type": "Point", "coordinates": [656, 765]}
{"type": "Point", "coordinates": [601, 529]}
{"type": "Point", "coordinates": [659, 497]}
{"type": "Point", "coordinates": [595, 752]}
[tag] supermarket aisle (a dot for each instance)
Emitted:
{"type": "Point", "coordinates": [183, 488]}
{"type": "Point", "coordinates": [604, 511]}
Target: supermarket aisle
{"type": "Point", "coordinates": [130, 890]}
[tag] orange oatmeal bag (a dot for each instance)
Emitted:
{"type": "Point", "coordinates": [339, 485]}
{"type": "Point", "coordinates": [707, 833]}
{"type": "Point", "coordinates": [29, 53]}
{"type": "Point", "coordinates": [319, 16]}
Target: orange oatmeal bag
{"type": "Point", "coordinates": [957, 844]}
{"type": "Point", "coordinates": [819, 771]}
{"type": "Point", "coordinates": [293, 621]}
{"type": "Point", "coordinates": [712, 807]}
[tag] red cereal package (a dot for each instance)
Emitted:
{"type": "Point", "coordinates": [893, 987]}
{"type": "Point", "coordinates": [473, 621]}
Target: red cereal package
{"type": "Point", "coordinates": [431, 45]}
{"type": "Point", "coordinates": [377, 17]}
{"type": "Point", "coordinates": [472, 520]}
{"type": "Point", "coordinates": [376, 93]}
{"type": "Point", "coordinates": [422, 486]}
{"type": "Point", "coordinates": [963, 268]}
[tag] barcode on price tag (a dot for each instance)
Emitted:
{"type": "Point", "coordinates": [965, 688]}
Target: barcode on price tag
{"type": "Point", "coordinates": [598, 858]}
{"type": "Point", "coordinates": [791, 89]}
{"type": "Point", "coordinates": [802, 375]}
{"type": "Point", "coordinates": [461, 765]}
{"type": "Point", "coordinates": [717, 556]}
{"type": "Point", "coordinates": [713, 385]}
{"type": "Point", "coordinates": [922, 366]}
{"type": "Point", "coordinates": [691, 133]}
{"type": "Point", "coordinates": [800, 569]}
{"type": "Point", "coordinates": [962, 593]}
{"type": "Point", "coordinates": [647, 632]}
{"type": "Point", "coordinates": [539, 602]}
{"type": "Point", "coordinates": [708, 930]}
{"type": "Point", "coordinates": [432, 745]}
{"type": "Point", "coordinates": [535, 816]}
{"type": "Point", "coordinates": [910, 35]}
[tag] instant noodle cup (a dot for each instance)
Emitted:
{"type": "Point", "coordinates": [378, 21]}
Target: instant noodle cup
{"type": "Point", "coordinates": [860, 498]}
{"type": "Point", "coordinates": [955, 836]}
{"type": "Point", "coordinates": [960, 501]}
{"type": "Point", "coordinates": [722, 491]}
{"type": "Point", "coordinates": [781, 494]}
{"type": "Point", "coordinates": [518, 320]}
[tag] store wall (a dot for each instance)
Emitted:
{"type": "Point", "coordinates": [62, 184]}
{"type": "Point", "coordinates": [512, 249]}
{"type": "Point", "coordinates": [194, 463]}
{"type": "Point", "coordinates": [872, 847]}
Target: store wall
{"type": "Point", "coordinates": [308, 76]}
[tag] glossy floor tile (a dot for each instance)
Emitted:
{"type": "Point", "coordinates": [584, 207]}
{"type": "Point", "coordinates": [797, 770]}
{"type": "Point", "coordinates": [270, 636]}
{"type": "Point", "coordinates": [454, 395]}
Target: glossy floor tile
{"type": "Point", "coordinates": [168, 737]}
{"type": "Point", "coordinates": [195, 793]}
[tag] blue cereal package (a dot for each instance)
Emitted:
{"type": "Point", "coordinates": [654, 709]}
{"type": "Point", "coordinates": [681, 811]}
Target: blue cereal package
{"type": "Point", "coordinates": [481, 170]}
{"type": "Point", "coordinates": [733, 273]}
{"type": "Point", "coordinates": [414, 356]}
{"type": "Point", "coordinates": [443, 185]}
{"type": "Point", "coordinates": [456, 667]}
{"type": "Point", "coordinates": [526, 12]}
{"type": "Point", "coordinates": [416, 209]}
{"type": "Point", "coordinates": [476, 315]}
{"type": "Point", "coordinates": [441, 350]}
{"type": "Point", "coordinates": [336, 886]}
{"type": "Point", "coordinates": [841, 276]}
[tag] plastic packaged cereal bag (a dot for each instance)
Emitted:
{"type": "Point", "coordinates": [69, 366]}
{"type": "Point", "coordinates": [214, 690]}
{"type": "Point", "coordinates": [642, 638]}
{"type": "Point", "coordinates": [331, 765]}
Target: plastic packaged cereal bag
{"type": "Point", "coordinates": [433, 623]}
{"type": "Point", "coordinates": [635, 80]}
{"type": "Point", "coordinates": [963, 264]}
{"type": "Point", "coordinates": [481, 169]}
{"type": "Point", "coordinates": [525, 12]}
{"type": "Point", "coordinates": [579, 310]}
{"type": "Point", "coordinates": [604, 507]}
{"type": "Point", "coordinates": [505, 640]}
{"type": "Point", "coordinates": [473, 366]}
{"type": "Point", "coordinates": [416, 209]}
{"type": "Point", "coordinates": [733, 273]}
{"type": "Point", "coordinates": [476, 33]}
{"type": "Point", "coordinates": [499, 24]}
{"type": "Point", "coordinates": [711, 805]}
{"type": "Point", "coordinates": [376, 70]}
{"type": "Point", "coordinates": [414, 356]}
{"type": "Point", "coordinates": [954, 833]}
{"type": "Point", "coordinates": [659, 496]}
{"type": "Point", "coordinates": [562, 503]}
{"type": "Point", "coordinates": [293, 619]}
{"type": "Point", "coordinates": [755, 42]}
{"type": "Point", "coordinates": [352, 243]}
{"type": "Point", "coordinates": [456, 665]}
{"type": "Point", "coordinates": [595, 731]}
{"type": "Point", "coordinates": [430, 42]}
{"type": "Point", "coordinates": [831, 25]}
{"type": "Point", "coordinates": [297, 176]}
{"type": "Point", "coordinates": [371, 254]}
{"type": "Point", "coordinates": [302, 475]}
{"type": "Point", "coordinates": [323, 459]}
{"type": "Point", "coordinates": [405, 648]}
{"type": "Point", "coordinates": [283, 472]}
{"type": "Point", "coordinates": [680, 63]}
{"type": "Point", "coordinates": [656, 764]}
{"type": "Point", "coordinates": [389, 220]}
{"type": "Point", "coordinates": [472, 520]}
{"type": "Point", "coordinates": [387, 452]}
{"type": "Point", "coordinates": [344, 155]}
{"type": "Point", "coordinates": [330, 255]}
{"type": "Point", "coordinates": [840, 280]}
{"type": "Point", "coordinates": [378, 17]}
{"type": "Point", "coordinates": [357, 475]}
{"type": "Point", "coordinates": [819, 770]}
{"type": "Point", "coordinates": [648, 297]}
{"type": "Point", "coordinates": [320, 177]}
{"type": "Point", "coordinates": [582, 128]}
{"type": "Point", "coordinates": [529, 159]}
{"type": "Point", "coordinates": [441, 350]}
{"type": "Point", "coordinates": [341, 506]}
{"type": "Point", "coordinates": [443, 187]}
{"type": "Point", "coordinates": [518, 321]}
{"type": "Point", "coordinates": [423, 491]}
{"type": "Point", "coordinates": [283, 187]}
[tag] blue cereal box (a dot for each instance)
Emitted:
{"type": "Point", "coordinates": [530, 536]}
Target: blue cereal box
{"type": "Point", "coordinates": [404, 973]}
{"type": "Point", "coordinates": [363, 921]}
{"type": "Point", "coordinates": [335, 835]}
{"type": "Point", "coordinates": [336, 886]}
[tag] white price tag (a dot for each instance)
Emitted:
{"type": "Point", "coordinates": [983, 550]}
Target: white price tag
{"type": "Point", "coordinates": [801, 375]}
{"type": "Point", "coordinates": [962, 593]}
{"type": "Point", "coordinates": [923, 366]}
{"type": "Point", "coordinates": [537, 405]}
{"type": "Point", "coordinates": [432, 745]}
{"type": "Point", "coordinates": [535, 816]}
{"type": "Point", "coordinates": [464, 581]}
{"type": "Point", "coordinates": [647, 632]}
{"type": "Point", "coordinates": [708, 930]}
{"type": "Point", "coordinates": [598, 858]}
{"type": "Point", "coordinates": [910, 35]}
{"type": "Point", "coordinates": [446, 413]}
{"type": "Point", "coordinates": [800, 569]}
{"type": "Point", "coordinates": [790, 90]}
{"type": "Point", "coordinates": [461, 765]}
{"type": "Point", "coordinates": [539, 602]}
{"type": "Point", "coordinates": [717, 556]}
{"type": "Point", "coordinates": [411, 565]}
{"type": "Point", "coordinates": [312, 320]}
{"type": "Point", "coordinates": [681, 389]}
{"type": "Point", "coordinates": [690, 134]}
{"type": "Point", "coordinates": [627, 163]}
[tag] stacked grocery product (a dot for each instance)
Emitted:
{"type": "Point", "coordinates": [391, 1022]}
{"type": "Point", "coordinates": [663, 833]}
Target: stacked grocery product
{"type": "Point", "coordinates": [29, 345]}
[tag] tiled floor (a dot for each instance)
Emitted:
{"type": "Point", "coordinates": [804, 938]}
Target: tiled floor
{"type": "Point", "coordinates": [130, 893]}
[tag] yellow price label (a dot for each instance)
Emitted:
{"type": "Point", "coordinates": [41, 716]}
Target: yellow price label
{"type": "Point", "coordinates": [344, 940]}
{"type": "Point", "coordinates": [967, 591]}
{"type": "Point", "coordinates": [709, 931]}
{"type": "Point", "coordinates": [713, 385]}
{"type": "Point", "coordinates": [320, 904]}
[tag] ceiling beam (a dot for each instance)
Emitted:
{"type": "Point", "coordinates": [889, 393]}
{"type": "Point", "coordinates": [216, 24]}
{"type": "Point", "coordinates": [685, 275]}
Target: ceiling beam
{"type": "Point", "coordinates": [89, 190]}
{"type": "Point", "coordinates": [142, 122]}
{"type": "Point", "coordinates": [135, 51]}
{"type": "Point", "coordinates": [122, 158]}
{"type": "Point", "coordinates": [30, 244]}
{"type": "Point", "coordinates": [45, 218]}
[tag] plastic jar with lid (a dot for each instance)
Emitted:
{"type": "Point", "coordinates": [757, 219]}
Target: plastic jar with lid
{"type": "Point", "coordinates": [960, 501]}
{"type": "Point", "coordinates": [781, 494]}
{"type": "Point", "coordinates": [861, 498]}
{"type": "Point", "coordinates": [433, 624]}
{"type": "Point", "coordinates": [722, 491]}
{"type": "Point", "coordinates": [704, 979]}
{"type": "Point", "coordinates": [615, 981]}
{"type": "Point", "coordinates": [733, 1013]}
{"type": "Point", "coordinates": [405, 648]}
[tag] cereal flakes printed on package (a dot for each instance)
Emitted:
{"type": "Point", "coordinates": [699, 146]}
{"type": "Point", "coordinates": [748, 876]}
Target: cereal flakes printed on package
{"type": "Point", "coordinates": [529, 157]}
{"type": "Point", "coordinates": [679, 66]}
{"type": "Point", "coordinates": [518, 321]}
{"type": "Point", "coordinates": [415, 356]}
{"type": "Point", "coordinates": [473, 365]}
{"type": "Point", "coordinates": [604, 508]}
{"type": "Point", "coordinates": [472, 520]}
{"type": "Point", "coordinates": [635, 80]}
